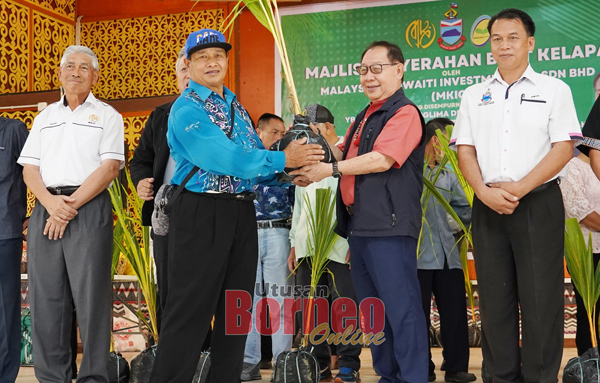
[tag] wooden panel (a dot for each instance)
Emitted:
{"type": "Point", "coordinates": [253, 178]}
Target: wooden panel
{"type": "Point", "coordinates": [256, 67]}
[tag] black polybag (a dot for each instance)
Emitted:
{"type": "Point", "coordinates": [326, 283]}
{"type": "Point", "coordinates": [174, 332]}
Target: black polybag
{"type": "Point", "coordinates": [299, 130]}
{"type": "Point", "coordinates": [203, 367]}
{"type": "Point", "coordinates": [141, 365]}
{"type": "Point", "coordinates": [583, 369]}
{"type": "Point", "coordinates": [117, 368]}
{"type": "Point", "coordinates": [298, 366]}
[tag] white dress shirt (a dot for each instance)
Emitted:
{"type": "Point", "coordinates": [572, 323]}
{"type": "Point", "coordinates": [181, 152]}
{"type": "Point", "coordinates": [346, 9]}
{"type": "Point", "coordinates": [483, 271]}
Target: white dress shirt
{"type": "Point", "coordinates": [514, 126]}
{"type": "Point", "coordinates": [68, 145]}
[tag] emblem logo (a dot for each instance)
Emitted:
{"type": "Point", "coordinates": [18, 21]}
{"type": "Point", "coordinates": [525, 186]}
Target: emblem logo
{"type": "Point", "coordinates": [451, 37]}
{"type": "Point", "coordinates": [487, 97]}
{"type": "Point", "coordinates": [479, 32]}
{"type": "Point", "coordinates": [420, 33]}
{"type": "Point", "coordinates": [93, 119]}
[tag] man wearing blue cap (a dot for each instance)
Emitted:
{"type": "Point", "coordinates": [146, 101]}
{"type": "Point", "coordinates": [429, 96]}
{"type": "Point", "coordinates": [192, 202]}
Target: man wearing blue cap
{"type": "Point", "coordinates": [213, 245]}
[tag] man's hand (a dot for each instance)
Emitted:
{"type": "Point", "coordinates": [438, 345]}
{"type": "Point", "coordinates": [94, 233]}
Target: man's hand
{"type": "Point", "coordinates": [499, 200]}
{"type": "Point", "coordinates": [314, 173]}
{"type": "Point", "coordinates": [301, 181]}
{"type": "Point", "coordinates": [348, 259]}
{"type": "Point", "coordinates": [55, 228]}
{"type": "Point", "coordinates": [297, 154]}
{"type": "Point", "coordinates": [514, 188]}
{"type": "Point", "coordinates": [292, 264]}
{"type": "Point", "coordinates": [59, 208]}
{"type": "Point", "coordinates": [25, 226]}
{"type": "Point", "coordinates": [145, 189]}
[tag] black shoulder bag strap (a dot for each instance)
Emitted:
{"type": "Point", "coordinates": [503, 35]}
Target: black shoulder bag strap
{"type": "Point", "coordinates": [181, 186]}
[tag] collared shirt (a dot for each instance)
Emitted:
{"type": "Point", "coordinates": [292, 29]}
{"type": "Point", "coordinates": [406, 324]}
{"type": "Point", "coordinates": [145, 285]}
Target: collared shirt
{"type": "Point", "coordinates": [274, 202]}
{"type": "Point", "coordinates": [398, 139]}
{"type": "Point", "coordinates": [69, 145]}
{"type": "Point", "coordinates": [581, 195]}
{"type": "Point", "coordinates": [514, 126]}
{"type": "Point", "coordinates": [299, 232]}
{"type": "Point", "coordinates": [13, 193]}
{"type": "Point", "coordinates": [437, 241]}
{"type": "Point", "coordinates": [199, 125]}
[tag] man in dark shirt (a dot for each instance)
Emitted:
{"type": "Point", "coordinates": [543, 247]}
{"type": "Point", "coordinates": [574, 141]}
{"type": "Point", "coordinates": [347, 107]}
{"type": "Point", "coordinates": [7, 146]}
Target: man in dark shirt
{"type": "Point", "coordinates": [153, 166]}
{"type": "Point", "coordinates": [13, 206]}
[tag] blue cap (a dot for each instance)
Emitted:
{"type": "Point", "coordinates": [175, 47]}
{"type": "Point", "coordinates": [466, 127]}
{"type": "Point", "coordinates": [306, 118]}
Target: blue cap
{"type": "Point", "coordinates": [205, 38]}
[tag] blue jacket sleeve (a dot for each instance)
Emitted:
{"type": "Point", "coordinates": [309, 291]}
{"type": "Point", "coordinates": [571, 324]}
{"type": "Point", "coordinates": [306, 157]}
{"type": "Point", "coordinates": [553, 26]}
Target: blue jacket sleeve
{"type": "Point", "coordinates": [205, 145]}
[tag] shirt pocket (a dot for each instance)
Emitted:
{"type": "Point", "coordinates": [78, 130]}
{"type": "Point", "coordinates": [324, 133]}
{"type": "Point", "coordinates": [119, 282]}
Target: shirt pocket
{"type": "Point", "coordinates": [533, 116]}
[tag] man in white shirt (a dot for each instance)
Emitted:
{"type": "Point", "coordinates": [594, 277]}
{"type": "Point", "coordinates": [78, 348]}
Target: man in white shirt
{"type": "Point", "coordinates": [514, 134]}
{"type": "Point", "coordinates": [74, 151]}
{"type": "Point", "coordinates": [337, 280]}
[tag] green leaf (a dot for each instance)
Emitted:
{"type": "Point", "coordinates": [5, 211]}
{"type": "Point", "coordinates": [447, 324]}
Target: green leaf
{"type": "Point", "coordinates": [127, 208]}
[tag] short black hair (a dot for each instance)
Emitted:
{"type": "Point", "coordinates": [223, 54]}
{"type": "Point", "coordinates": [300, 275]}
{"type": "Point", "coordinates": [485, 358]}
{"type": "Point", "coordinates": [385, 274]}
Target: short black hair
{"type": "Point", "coordinates": [266, 118]}
{"type": "Point", "coordinates": [435, 124]}
{"type": "Point", "coordinates": [596, 78]}
{"type": "Point", "coordinates": [514, 14]}
{"type": "Point", "coordinates": [394, 51]}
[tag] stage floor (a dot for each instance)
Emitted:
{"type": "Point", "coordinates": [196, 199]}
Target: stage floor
{"type": "Point", "coordinates": [366, 373]}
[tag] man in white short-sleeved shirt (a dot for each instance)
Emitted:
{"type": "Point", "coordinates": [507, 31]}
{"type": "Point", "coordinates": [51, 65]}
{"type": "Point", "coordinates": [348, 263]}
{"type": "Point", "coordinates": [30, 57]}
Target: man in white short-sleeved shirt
{"type": "Point", "coordinates": [514, 134]}
{"type": "Point", "coordinates": [74, 151]}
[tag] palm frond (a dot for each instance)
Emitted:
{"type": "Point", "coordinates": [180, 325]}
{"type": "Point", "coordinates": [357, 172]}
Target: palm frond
{"type": "Point", "coordinates": [579, 256]}
{"type": "Point", "coordinates": [132, 239]}
{"type": "Point", "coordinates": [267, 13]}
{"type": "Point", "coordinates": [321, 238]}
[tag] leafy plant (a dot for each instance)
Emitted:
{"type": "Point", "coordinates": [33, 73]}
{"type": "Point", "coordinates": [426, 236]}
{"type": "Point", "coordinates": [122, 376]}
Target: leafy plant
{"type": "Point", "coordinates": [132, 240]}
{"type": "Point", "coordinates": [321, 240]}
{"type": "Point", "coordinates": [579, 256]}
{"type": "Point", "coordinates": [267, 13]}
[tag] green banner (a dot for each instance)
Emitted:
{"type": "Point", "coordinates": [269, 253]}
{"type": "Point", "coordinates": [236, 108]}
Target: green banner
{"type": "Point", "coordinates": [446, 47]}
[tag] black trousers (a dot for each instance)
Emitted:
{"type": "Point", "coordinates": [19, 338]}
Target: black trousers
{"type": "Point", "coordinates": [161, 259]}
{"type": "Point", "coordinates": [10, 308]}
{"type": "Point", "coordinates": [213, 248]}
{"type": "Point", "coordinates": [448, 287]}
{"type": "Point", "coordinates": [519, 262]}
{"type": "Point", "coordinates": [349, 355]}
{"type": "Point", "coordinates": [583, 338]}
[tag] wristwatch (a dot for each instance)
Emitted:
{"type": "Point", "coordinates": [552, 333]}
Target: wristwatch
{"type": "Point", "coordinates": [336, 172]}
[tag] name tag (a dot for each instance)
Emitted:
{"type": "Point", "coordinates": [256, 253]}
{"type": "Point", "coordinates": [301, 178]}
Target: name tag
{"type": "Point", "coordinates": [534, 98]}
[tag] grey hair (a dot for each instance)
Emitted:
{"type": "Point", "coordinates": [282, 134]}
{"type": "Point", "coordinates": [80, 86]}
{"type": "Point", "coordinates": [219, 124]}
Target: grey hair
{"type": "Point", "coordinates": [80, 49]}
{"type": "Point", "coordinates": [179, 56]}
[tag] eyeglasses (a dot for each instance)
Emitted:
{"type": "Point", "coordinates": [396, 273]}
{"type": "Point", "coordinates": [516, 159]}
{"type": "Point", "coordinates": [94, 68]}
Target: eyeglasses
{"type": "Point", "coordinates": [375, 68]}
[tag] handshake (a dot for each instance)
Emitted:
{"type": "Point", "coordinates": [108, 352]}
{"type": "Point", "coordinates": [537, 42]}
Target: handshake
{"type": "Point", "coordinates": [302, 146]}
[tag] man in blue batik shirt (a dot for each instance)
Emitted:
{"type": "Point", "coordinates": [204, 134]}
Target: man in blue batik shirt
{"type": "Point", "coordinates": [273, 214]}
{"type": "Point", "coordinates": [213, 243]}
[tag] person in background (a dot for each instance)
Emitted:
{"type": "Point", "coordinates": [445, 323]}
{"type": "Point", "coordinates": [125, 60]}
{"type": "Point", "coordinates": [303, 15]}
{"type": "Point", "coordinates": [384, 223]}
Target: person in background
{"type": "Point", "coordinates": [72, 155]}
{"type": "Point", "coordinates": [591, 132]}
{"type": "Point", "coordinates": [13, 208]}
{"type": "Point", "coordinates": [439, 265]}
{"type": "Point", "coordinates": [273, 206]}
{"type": "Point", "coordinates": [338, 279]}
{"type": "Point", "coordinates": [515, 133]}
{"type": "Point", "coordinates": [581, 195]}
{"type": "Point", "coordinates": [152, 166]}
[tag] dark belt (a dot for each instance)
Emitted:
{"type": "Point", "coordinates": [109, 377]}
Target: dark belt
{"type": "Point", "coordinates": [62, 190]}
{"type": "Point", "coordinates": [243, 196]}
{"type": "Point", "coordinates": [350, 209]}
{"type": "Point", "coordinates": [282, 223]}
{"type": "Point", "coordinates": [545, 186]}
